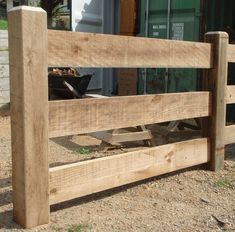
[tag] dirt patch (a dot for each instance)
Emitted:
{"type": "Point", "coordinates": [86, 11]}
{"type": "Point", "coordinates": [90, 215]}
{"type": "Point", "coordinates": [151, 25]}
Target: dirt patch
{"type": "Point", "coordinates": [189, 200]}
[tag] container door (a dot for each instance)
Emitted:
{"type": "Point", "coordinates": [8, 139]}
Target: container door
{"type": "Point", "coordinates": [184, 25]}
{"type": "Point", "coordinates": [177, 20]}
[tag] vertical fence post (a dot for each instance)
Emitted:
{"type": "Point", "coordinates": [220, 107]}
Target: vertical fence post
{"type": "Point", "coordinates": [215, 81]}
{"type": "Point", "coordinates": [29, 115]}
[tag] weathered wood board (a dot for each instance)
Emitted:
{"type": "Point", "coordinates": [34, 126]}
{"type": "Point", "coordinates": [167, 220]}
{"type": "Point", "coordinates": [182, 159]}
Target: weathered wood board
{"type": "Point", "coordinates": [92, 115]}
{"type": "Point", "coordinates": [99, 50]}
{"type": "Point", "coordinates": [29, 115]}
{"type": "Point", "coordinates": [216, 82]}
{"type": "Point", "coordinates": [84, 178]}
{"type": "Point", "coordinates": [230, 94]}
{"type": "Point", "coordinates": [229, 134]}
{"type": "Point", "coordinates": [231, 53]}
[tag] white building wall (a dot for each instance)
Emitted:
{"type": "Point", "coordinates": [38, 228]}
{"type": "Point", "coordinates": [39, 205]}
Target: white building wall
{"type": "Point", "coordinates": [9, 4]}
{"type": "Point", "coordinates": [96, 16]}
{"type": "Point", "coordinates": [87, 16]}
{"type": "Point", "coordinates": [4, 69]}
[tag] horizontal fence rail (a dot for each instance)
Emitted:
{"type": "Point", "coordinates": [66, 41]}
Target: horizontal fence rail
{"type": "Point", "coordinates": [230, 95]}
{"type": "Point", "coordinates": [229, 134]}
{"type": "Point", "coordinates": [97, 50]}
{"type": "Point", "coordinates": [231, 53]}
{"type": "Point", "coordinates": [80, 179]}
{"type": "Point", "coordinates": [91, 115]}
{"type": "Point", "coordinates": [230, 99]}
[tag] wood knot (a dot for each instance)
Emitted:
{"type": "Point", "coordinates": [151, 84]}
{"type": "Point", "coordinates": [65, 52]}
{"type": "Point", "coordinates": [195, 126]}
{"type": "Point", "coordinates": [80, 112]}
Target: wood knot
{"type": "Point", "coordinates": [53, 191]}
{"type": "Point", "coordinates": [168, 156]}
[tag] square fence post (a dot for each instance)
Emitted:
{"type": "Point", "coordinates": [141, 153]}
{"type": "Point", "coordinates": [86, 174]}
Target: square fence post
{"type": "Point", "coordinates": [29, 115]}
{"type": "Point", "coordinates": [215, 81]}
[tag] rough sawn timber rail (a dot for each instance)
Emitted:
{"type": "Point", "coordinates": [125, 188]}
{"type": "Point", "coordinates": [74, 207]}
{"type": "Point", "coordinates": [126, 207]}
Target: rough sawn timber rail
{"type": "Point", "coordinates": [80, 179]}
{"type": "Point", "coordinates": [230, 98]}
{"type": "Point", "coordinates": [33, 119]}
{"type": "Point", "coordinates": [109, 51]}
{"type": "Point", "coordinates": [91, 115]}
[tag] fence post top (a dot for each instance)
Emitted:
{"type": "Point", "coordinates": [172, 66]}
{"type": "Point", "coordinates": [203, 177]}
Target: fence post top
{"type": "Point", "coordinates": [26, 8]}
{"type": "Point", "coordinates": [222, 34]}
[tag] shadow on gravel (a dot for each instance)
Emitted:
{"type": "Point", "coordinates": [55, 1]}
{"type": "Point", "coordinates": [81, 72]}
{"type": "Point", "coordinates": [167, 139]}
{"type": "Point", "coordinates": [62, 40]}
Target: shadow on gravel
{"type": "Point", "coordinates": [230, 152]}
{"type": "Point", "coordinates": [70, 145]}
{"type": "Point", "coordinates": [6, 182]}
{"type": "Point", "coordinates": [5, 198]}
{"type": "Point", "coordinates": [5, 110]}
{"type": "Point", "coordinates": [6, 221]}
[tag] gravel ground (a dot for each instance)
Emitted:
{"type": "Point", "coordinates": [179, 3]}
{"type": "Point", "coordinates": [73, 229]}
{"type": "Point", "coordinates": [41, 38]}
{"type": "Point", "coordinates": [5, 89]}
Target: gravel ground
{"type": "Point", "coordinates": [189, 200]}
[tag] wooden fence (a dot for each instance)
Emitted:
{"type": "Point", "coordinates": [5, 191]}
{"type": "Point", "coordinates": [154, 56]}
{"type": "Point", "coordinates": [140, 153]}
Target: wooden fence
{"type": "Point", "coordinates": [34, 120]}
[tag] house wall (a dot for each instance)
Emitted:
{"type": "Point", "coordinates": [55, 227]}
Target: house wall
{"type": "Point", "coordinates": [97, 17]}
{"type": "Point", "coordinates": [4, 69]}
{"type": "Point", "coordinates": [9, 4]}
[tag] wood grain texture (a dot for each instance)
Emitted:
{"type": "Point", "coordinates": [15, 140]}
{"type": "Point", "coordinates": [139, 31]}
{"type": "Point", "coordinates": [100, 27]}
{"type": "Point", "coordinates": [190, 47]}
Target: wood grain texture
{"type": "Point", "coordinates": [229, 137]}
{"type": "Point", "coordinates": [230, 94]}
{"type": "Point", "coordinates": [99, 50]}
{"type": "Point", "coordinates": [80, 179]}
{"type": "Point", "coordinates": [92, 115]}
{"type": "Point", "coordinates": [231, 53]}
{"type": "Point", "coordinates": [29, 115]}
{"type": "Point", "coordinates": [216, 82]}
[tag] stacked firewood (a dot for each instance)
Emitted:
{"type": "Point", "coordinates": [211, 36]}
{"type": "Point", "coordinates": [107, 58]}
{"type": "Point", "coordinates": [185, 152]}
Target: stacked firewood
{"type": "Point", "coordinates": [64, 72]}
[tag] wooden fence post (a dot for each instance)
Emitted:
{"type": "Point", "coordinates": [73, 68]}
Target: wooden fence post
{"type": "Point", "coordinates": [29, 115]}
{"type": "Point", "coordinates": [215, 81]}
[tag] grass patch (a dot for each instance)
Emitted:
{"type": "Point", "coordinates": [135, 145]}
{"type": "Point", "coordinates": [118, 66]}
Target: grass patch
{"type": "Point", "coordinates": [78, 228]}
{"type": "Point", "coordinates": [57, 229]}
{"type": "Point", "coordinates": [83, 151]}
{"type": "Point", "coordinates": [3, 24]}
{"type": "Point", "coordinates": [223, 183]}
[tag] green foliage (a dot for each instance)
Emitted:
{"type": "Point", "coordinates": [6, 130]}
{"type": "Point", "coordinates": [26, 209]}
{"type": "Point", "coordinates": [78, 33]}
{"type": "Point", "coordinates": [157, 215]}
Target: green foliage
{"type": "Point", "coordinates": [3, 25]}
{"type": "Point", "coordinates": [57, 11]}
{"type": "Point", "coordinates": [83, 151]}
{"type": "Point", "coordinates": [78, 228]}
{"type": "Point", "coordinates": [223, 183]}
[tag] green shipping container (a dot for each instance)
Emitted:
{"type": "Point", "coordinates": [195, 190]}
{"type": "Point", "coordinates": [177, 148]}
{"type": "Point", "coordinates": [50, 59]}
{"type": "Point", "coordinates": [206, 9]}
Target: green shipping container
{"type": "Point", "coordinates": [219, 16]}
{"type": "Point", "coordinates": [169, 19]}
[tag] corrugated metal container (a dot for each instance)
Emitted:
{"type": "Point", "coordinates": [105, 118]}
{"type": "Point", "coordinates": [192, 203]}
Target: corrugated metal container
{"type": "Point", "coordinates": [169, 19]}
{"type": "Point", "coordinates": [219, 16]}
